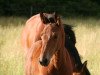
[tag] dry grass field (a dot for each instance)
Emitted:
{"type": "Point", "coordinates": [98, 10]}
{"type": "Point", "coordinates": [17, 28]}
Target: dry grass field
{"type": "Point", "coordinates": [87, 32]}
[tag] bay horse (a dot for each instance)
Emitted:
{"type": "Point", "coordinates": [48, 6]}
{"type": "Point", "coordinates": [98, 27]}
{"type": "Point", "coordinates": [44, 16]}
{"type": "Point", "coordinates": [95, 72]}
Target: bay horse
{"type": "Point", "coordinates": [43, 39]}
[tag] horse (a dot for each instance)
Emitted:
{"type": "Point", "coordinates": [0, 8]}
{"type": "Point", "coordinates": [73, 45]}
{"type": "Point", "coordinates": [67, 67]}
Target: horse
{"type": "Point", "coordinates": [43, 40]}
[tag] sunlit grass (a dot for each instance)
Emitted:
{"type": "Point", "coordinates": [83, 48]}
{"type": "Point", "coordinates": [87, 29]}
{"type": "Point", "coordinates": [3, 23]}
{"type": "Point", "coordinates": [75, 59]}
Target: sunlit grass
{"type": "Point", "coordinates": [88, 45]}
{"type": "Point", "coordinates": [11, 54]}
{"type": "Point", "coordinates": [87, 32]}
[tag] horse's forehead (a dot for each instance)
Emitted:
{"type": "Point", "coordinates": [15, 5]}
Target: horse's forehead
{"type": "Point", "coordinates": [47, 29]}
{"type": "Point", "coordinates": [51, 27]}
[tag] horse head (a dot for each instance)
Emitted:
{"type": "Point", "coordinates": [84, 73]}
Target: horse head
{"type": "Point", "coordinates": [51, 37]}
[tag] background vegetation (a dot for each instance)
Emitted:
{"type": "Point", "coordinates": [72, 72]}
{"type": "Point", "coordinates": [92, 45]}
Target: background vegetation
{"type": "Point", "coordinates": [63, 7]}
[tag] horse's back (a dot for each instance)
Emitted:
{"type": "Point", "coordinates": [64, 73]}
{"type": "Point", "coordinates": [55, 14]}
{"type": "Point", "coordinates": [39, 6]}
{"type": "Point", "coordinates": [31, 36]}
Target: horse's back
{"type": "Point", "coordinates": [32, 30]}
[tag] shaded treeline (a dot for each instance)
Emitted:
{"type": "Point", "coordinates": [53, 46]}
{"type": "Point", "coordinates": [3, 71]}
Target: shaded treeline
{"type": "Point", "coordinates": [63, 7]}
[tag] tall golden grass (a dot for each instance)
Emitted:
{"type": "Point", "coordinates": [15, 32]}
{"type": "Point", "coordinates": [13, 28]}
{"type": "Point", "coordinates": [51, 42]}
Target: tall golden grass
{"type": "Point", "coordinates": [87, 32]}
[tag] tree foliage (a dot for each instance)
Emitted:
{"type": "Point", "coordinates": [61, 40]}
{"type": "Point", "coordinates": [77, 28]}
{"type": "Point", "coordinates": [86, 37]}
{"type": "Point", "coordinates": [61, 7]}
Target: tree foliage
{"type": "Point", "coordinates": [63, 7]}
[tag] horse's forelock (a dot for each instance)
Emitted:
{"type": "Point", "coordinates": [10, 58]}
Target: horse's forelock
{"type": "Point", "coordinates": [48, 18]}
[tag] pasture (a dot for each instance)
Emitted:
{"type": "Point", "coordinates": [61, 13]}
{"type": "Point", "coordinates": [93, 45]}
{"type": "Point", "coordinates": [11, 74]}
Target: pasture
{"type": "Point", "coordinates": [87, 32]}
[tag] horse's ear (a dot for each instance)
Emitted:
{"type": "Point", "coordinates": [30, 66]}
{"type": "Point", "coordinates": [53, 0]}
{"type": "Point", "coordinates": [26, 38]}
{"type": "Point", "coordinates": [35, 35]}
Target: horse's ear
{"type": "Point", "coordinates": [58, 21]}
{"type": "Point", "coordinates": [55, 14]}
{"type": "Point", "coordinates": [84, 67]}
{"type": "Point", "coordinates": [43, 18]}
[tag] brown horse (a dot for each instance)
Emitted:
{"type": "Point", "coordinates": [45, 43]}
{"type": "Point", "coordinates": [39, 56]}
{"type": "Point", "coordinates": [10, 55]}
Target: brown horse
{"type": "Point", "coordinates": [44, 41]}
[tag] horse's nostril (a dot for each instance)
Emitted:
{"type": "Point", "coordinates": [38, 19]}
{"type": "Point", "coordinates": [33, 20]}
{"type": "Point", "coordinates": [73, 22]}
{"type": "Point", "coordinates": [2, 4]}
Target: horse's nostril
{"type": "Point", "coordinates": [44, 62]}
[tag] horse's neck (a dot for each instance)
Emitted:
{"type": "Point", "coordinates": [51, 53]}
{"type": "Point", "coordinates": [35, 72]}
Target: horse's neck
{"type": "Point", "coordinates": [62, 62]}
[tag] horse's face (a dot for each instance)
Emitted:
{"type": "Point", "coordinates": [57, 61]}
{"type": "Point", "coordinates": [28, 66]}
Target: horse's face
{"type": "Point", "coordinates": [51, 39]}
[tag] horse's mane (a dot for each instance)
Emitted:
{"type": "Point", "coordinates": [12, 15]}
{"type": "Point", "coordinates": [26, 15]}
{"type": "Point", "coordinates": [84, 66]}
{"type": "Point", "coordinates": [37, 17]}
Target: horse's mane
{"type": "Point", "coordinates": [69, 33]}
{"type": "Point", "coordinates": [70, 41]}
